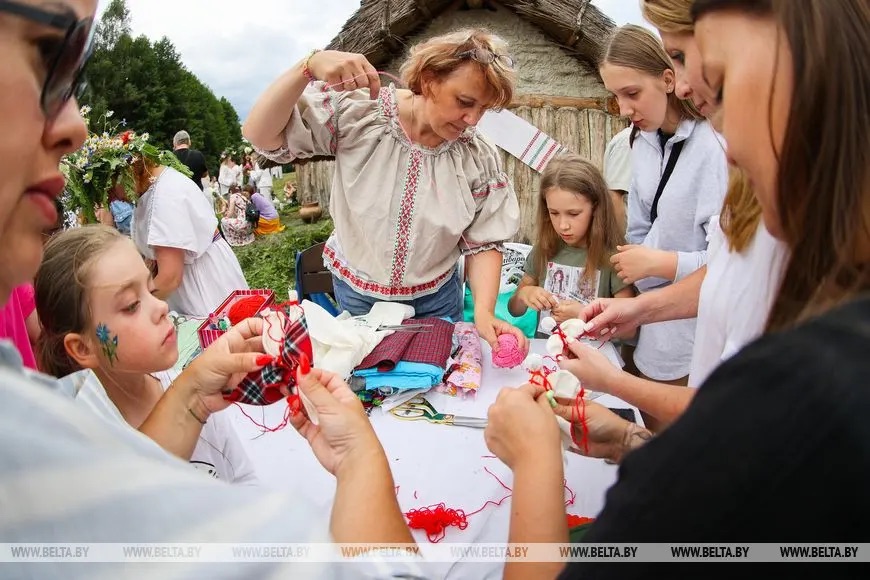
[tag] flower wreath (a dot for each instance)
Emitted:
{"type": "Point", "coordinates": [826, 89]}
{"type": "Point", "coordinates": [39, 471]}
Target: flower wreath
{"type": "Point", "coordinates": [106, 159]}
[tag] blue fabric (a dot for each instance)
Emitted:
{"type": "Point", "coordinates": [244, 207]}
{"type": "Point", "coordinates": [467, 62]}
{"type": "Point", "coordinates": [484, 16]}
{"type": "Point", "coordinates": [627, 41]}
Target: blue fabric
{"type": "Point", "coordinates": [445, 303]}
{"type": "Point", "coordinates": [405, 375]}
{"type": "Point", "coordinates": [122, 213]}
{"type": "Point", "coordinates": [319, 298]}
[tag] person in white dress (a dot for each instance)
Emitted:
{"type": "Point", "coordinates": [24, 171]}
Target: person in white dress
{"type": "Point", "coordinates": [176, 227]}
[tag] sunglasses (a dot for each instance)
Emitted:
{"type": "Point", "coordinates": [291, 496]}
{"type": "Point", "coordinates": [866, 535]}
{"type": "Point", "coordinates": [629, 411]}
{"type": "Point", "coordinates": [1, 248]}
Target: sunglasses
{"type": "Point", "coordinates": [485, 56]}
{"type": "Point", "coordinates": [65, 78]}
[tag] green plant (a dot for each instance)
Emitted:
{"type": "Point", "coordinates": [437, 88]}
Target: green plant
{"type": "Point", "coordinates": [270, 262]}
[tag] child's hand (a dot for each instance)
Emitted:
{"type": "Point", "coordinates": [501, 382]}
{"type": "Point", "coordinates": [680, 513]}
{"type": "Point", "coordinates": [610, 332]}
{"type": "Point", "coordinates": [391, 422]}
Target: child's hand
{"type": "Point", "coordinates": [566, 310]}
{"type": "Point", "coordinates": [536, 298]}
{"type": "Point", "coordinates": [633, 263]}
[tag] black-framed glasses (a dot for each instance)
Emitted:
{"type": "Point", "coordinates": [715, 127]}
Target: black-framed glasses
{"type": "Point", "coordinates": [485, 56]}
{"type": "Point", "coordinates": [65, 77]}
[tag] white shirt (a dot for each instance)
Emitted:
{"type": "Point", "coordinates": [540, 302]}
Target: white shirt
{"type": "Point", "coordinates": [736, 297]}
{"type": "Point", "coordinates": [691, 198]}
{"type": "Point", "coordinates": [72, 477]}
{"type": "Point", "coordinates": [174, 213]}
{"type": "Point", "coordinates": [218, 453]}
{"type": "Point", "coordinates": [617, 161]}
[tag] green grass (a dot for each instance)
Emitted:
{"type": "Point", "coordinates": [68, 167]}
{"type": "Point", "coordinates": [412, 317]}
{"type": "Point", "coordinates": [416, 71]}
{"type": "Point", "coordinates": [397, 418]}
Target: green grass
{"type": "Point", "coordinates": [269, 262]}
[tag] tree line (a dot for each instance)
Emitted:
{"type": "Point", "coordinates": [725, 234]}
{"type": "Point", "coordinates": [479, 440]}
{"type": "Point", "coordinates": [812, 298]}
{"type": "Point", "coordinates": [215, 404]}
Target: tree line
{"type": "Point", "coordinates": [148, 89]}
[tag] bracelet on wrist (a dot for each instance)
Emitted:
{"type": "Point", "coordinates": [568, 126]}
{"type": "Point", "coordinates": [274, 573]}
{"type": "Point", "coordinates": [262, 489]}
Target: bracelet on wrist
{"type": "Point", "coordinates": [306, 71]}
{"type": "Point", "coordinates": [192, 414]}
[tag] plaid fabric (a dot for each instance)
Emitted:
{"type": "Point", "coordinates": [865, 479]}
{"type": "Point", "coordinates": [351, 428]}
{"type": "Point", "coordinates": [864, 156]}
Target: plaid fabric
{"type": "Point", "coordinates": [263, 387]}
{"type": "Point", "coordinates": [432, 347]}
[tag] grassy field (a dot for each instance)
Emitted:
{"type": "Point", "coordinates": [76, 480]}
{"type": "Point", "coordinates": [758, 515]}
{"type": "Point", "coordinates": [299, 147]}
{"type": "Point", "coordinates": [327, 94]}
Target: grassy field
{"type": "Point", "coordinates": [269, 262]}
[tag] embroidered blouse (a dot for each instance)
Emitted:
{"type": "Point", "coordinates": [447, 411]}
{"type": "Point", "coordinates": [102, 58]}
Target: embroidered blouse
{"type": "Point", "coordinates": [403, 213]}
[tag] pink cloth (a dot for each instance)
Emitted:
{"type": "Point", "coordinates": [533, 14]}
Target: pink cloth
{"type": "Point", "coordinates": [13, 325]}
{"type": "Point", "coordinates": [464, 369]}
{"type": "Point", "coordinates": [508, 354]}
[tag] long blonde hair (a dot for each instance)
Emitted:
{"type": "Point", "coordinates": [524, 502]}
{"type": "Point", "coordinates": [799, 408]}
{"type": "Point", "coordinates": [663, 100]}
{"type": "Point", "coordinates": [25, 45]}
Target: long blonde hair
{"type": "Point", "coordinates": [577, 175]}
{"type": "Point", "coordinates": [635, 47]}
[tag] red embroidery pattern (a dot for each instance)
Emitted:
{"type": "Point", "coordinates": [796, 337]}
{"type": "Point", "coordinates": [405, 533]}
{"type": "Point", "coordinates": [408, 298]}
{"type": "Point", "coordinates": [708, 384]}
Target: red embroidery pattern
{"type": "Point", "coordinates": [486, 187]}
{"type": "Point", "coordinates": [529, 146]}
{"type": "Point", "coordinates": [341, 270]}
{"type": "Point", "coordinates": [402, 247]}
{"type": "Point", "coordinates": [547, 156]}
{"type": "Point", "coordinates": [330, 123]}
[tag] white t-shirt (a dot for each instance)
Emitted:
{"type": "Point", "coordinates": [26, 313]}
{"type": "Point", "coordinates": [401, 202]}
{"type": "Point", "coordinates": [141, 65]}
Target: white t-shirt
{"type": "Point", "coordinates": [617, 161]}
{"type": "Point", "coordinates": [174, 213]}
{"type": "Point", "coordinates": [219, 452]}
{"type": "Point", "coordinates": [736, 297]}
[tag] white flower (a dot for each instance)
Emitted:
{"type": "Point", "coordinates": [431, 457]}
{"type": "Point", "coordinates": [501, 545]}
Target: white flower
{"type": "Point", "coordinates": [144, 136]}
{"type": "Point", "coordinates": [109, 114]}
{"type": "Point", "coordinates": [84, 110]}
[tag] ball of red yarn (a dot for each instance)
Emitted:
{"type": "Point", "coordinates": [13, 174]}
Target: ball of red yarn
{"type": "Point", "coordinates": [245, 308]}
{"type": "Point", "coordinates": [435, 520]}
{"type": "Point", "coordinates": [508, 354]}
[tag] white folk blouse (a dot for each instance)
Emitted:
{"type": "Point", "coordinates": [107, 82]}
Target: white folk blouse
{"type": "Point", "coordinates": [403, 213]}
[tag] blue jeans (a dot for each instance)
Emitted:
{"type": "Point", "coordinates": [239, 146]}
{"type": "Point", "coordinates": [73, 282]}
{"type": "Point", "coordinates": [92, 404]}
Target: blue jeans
{"type": "Point", "coordinates": [447, 301]}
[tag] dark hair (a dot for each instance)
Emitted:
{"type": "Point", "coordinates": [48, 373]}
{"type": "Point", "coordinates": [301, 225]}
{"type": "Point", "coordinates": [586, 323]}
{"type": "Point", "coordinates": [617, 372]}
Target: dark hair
{"type": "Point", "coordinates": [61, 291]}
{"type": "Point", "coordinates": [577, 175]}
{"type": "Point", "coordinates": [823, 179]}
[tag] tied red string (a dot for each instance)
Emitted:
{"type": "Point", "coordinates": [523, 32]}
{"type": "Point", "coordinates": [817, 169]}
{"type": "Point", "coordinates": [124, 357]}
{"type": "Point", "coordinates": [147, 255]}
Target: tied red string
{"type": "Point", "coordinates": [435, 519]}
{"type": "Point", "coordinates": [264, 387]}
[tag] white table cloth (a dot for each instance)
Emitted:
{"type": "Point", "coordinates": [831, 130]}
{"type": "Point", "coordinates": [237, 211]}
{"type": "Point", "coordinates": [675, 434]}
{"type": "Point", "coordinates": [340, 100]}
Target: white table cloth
{"type": "Point", "coordinates": [431, 464]}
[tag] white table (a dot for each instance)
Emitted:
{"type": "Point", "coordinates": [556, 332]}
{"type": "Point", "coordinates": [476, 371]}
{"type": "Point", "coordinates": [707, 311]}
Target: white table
{"type": "Point", "coordinates": [430, 464]}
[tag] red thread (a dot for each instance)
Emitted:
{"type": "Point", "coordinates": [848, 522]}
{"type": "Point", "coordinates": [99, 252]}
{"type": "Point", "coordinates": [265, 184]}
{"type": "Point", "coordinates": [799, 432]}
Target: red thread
{"type": "Point", "coordinates": [292, 402]}
{"type": "Point", "coordinates": [245, 308]}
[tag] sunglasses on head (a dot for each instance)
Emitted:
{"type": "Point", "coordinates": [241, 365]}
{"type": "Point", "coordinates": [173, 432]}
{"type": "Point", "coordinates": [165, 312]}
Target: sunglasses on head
{"type": "Point", "coordinates": [485, 56]}
{"type": "Point", "coordinates": [65, 78]}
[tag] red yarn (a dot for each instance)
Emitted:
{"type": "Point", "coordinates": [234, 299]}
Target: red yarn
{"type": "Point", "coordinates": [435, 519]}
{"type": "Point", "coordinates": [245, 308]}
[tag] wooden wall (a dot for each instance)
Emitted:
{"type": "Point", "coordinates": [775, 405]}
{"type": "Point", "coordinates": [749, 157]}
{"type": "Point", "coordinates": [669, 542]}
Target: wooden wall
{"type": "Point", "coordinates": [583, 131]}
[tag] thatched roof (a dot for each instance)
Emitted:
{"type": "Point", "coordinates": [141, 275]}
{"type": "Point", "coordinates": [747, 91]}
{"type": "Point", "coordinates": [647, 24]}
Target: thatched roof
{"type": "Point", "coordinates": [379, 28]}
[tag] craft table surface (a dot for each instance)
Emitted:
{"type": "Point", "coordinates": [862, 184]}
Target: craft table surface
{"type": "Point", "coordinates": [431, 464]}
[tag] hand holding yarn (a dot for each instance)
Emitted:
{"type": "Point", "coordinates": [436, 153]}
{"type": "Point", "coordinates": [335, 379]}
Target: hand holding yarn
{"type": "Point", "coordinates": [343, 434]}
{"type": "Point", "coordinates": [591, 367]}
{"type": "Point", "coordinates": [520, 426]}
{"type": "Point", "coordinates": [344, 71]}
{"type": "Point", "coordinates": [509, 354]}
{"type": "Point", "coordinates": [490, 328]}
{"type": "Point", "coordinates": [602, 429]}
{"type": "Point", "coordinates": [224, 364]}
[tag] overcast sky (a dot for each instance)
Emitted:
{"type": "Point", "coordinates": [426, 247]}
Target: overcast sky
{"type": "Point", "coordinates": [238, 47]}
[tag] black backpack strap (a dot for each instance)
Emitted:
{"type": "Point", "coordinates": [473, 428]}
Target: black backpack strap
{"type": "Point", "coordinates": [669, 168]}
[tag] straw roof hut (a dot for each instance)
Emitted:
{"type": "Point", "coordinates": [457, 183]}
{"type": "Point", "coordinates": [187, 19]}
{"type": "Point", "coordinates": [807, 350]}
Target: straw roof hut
{"type": "Point", "coordinates": [556, 44]}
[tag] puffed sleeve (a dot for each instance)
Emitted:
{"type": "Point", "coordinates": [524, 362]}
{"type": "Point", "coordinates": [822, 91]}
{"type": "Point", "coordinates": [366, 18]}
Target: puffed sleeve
{"type": "Point", "coordinates": [318, 121]}
{"type": "Point", "coordinates": [497, 211]}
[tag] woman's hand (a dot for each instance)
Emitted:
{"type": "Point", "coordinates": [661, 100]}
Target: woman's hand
{"type": "Point", "coordinates": [536, 298]}
{"type": "Point", "coordinates": [223, 365]}
{"type": "Point", "coordinates": [566, 310]}
{"type": "Point", "coordinates": [633, 263]}
{"type": "Point", "coordinates": [620, 317]}
{"type": "Point", "coordinates": [345, 71]}
{"type": "Point", "coordinates": [489, 327]}
{"type": "Point", "coordinates": [343, 428]}
{"type": "Point", "coordinates": [590, 365]}
{"type": "Point", "coordinates": [605, 431]}
{"type": "Point", "coordinates": [521, 426]}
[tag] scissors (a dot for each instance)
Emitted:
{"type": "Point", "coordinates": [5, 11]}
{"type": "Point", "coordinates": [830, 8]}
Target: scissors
{"type": "Point", "coordinates": [418, 408]}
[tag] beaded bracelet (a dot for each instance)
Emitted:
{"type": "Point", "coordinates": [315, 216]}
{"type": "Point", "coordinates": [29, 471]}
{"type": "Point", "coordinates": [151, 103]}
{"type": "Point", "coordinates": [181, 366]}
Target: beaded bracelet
{"type": "Point", "coordinates": [307, 71]}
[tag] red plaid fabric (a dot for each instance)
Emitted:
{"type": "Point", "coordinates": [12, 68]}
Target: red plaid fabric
{"type": "Point", "coordinates": [429, 347]}
{"type": "Point", "coordinates": [263, 387]}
